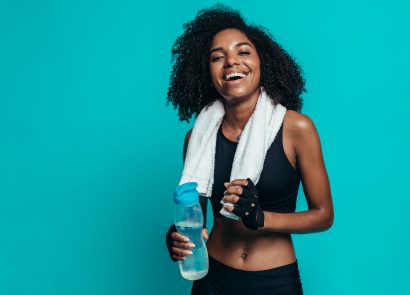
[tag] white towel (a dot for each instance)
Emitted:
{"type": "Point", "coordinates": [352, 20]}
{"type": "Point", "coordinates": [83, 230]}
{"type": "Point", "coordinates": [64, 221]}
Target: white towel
{"type": "Point", "coordinates": [256, 138]}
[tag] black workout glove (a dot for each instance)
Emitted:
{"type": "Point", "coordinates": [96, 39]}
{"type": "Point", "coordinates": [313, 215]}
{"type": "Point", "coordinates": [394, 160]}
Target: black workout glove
{"type": "Point", "coordinates": [248, 207]}
{"type": "Point", "coordinates": [168, 239]}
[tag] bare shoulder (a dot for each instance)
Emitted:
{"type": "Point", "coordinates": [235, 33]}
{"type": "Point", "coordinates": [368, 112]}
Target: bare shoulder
{"type": "Point", "coordinates": [188, 136]}
{"type": "Point", "coordinates": [299, 126]}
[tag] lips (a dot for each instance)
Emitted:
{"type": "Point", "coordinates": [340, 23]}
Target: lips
{"type": "Point", "coordinates": [234, 75]}
{"type": "Point", "coordinates": [234, 78]}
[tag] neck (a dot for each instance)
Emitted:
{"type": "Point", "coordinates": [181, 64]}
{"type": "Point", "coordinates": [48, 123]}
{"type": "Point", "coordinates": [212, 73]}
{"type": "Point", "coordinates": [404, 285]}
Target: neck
{"type": "Point", "coordinates": [238, 114]}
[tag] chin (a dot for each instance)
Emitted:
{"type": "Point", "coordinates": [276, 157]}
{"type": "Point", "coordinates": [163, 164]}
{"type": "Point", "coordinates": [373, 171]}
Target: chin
{"type": "Point", "coordinates": [232, 94]}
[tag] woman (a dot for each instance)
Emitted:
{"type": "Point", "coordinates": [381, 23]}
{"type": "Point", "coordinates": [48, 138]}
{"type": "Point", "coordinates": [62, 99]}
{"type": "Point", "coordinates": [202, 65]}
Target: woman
{"type": "Point", "coordinates": [219, 56]}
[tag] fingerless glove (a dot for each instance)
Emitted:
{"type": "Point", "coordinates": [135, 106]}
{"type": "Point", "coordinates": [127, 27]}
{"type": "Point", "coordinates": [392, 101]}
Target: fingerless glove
{"type": "Point", "coordinates": [248, 207]}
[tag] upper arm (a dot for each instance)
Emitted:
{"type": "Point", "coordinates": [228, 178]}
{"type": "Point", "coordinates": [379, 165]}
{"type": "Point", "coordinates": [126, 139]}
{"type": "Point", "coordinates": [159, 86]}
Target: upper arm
{"type": "Point", "coordinates": [186, 141]}
{"type": "Point", "coordinates": [310, 162]}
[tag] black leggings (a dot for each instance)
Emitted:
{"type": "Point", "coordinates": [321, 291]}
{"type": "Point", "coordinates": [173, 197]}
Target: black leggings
{"type": "Point", "coordinates": [224, 280]}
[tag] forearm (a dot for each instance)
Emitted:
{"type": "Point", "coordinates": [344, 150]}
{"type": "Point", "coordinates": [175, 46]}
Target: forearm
{"type": "Point", "coordinates": [313, 220]}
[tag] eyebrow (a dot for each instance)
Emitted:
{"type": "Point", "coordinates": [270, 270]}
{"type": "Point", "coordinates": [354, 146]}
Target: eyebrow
{"type": "Point", "coordinates": [237, 45]}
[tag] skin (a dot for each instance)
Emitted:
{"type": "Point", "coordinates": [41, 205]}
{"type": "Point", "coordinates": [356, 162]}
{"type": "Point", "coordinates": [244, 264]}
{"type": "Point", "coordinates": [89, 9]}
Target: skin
{"type": "Point", "coordinates": [270, 246]}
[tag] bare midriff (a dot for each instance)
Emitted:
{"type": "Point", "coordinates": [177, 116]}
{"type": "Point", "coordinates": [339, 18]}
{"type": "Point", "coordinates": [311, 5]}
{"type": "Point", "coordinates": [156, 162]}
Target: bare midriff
{"type": "Point", "coordinates": [233, 244]}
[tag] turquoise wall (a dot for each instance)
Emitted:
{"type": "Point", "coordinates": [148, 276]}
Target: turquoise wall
{"type": "Point", "coordinates": [90, 155]}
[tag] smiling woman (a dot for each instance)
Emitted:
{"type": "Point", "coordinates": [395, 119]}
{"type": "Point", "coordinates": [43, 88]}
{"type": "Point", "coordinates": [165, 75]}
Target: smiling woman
{"type": "Point", "coordinates": [221, 58]}
{"type": "Point", "coordinates": [241, 78]}
{"type": "Point", "coordinates": [190, 83]}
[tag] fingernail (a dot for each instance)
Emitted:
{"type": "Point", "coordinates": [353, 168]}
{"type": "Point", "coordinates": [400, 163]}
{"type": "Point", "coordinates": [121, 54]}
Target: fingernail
{"type": "Point", "coordinates": [186, 239]}
{"type": "Point", "coordinates": [191, 245]}
{"type": "Point", "coordinates": [189, 252]}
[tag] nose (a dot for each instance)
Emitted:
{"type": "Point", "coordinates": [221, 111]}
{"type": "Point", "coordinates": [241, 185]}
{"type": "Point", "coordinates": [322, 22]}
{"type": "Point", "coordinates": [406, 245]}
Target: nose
{"type": "Point", "coordinates": [231, 60]}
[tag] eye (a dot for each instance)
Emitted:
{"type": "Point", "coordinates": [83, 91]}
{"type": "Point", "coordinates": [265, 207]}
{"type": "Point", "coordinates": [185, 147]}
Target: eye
{"type": "Point", "coordinates": [215, 58]}
{"type": "Point", "coordinates": [244, 53]}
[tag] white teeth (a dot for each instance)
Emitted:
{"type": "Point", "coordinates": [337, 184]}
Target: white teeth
{"type": "Point", "coordinates": [235, 75]}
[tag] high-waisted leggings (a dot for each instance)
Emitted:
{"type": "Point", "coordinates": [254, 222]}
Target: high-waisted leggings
{"type": "Point", "coordinates": [225, 280]}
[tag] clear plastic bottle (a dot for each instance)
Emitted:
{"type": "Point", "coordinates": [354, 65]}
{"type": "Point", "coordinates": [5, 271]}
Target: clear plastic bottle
{"type": "Point", "coordinates": [189, 220]}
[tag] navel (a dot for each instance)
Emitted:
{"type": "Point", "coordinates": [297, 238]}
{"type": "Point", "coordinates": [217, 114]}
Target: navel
{"type": "Point", "coordinates": [244, 255]}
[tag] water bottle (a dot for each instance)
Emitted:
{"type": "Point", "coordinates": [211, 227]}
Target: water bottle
{"type": "Point", "coordinates": [189, 220]}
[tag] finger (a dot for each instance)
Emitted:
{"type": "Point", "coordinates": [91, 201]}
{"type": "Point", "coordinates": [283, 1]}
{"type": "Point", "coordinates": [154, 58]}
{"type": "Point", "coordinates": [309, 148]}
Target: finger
{"type": "Point", "coordinates": [177, 257]}
{"type": "Point", "coordinates": [181, 252]}
{"type": "Point", "coordinates": [234, 190]}
{"type": "Point", "coordinates": [186, 246]}
{"type": "Point", "coordinates": [231, 198]}
{"type": "Point", "coordinates": [229, 207]}
{"type": "Point", "coordinates": [179, 238]}
{"type": "Point", "coordinates": [241, 182]}
{"type": "Point", "coordinates": [205, 233]}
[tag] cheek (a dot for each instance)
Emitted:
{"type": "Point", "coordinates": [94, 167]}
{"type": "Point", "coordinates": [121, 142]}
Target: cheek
{"type": "Point", "coordinates": [256, 68]}
{"type": "Point", "coordinates": [256, 65]}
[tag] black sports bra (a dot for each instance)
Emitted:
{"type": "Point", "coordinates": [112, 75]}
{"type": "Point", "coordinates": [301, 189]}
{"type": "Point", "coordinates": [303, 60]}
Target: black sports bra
{"type": "Point", "coordinates": [278, 184]}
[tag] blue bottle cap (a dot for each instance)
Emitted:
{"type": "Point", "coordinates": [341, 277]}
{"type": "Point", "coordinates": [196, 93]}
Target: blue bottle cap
{"type": "Point", "coordinates": [186, 194]}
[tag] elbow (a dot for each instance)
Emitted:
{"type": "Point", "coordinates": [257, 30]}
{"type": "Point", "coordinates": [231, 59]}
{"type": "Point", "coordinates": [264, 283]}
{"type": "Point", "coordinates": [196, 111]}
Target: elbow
{"type": "Point", "coordinates": [327, 221]}
{"type": "Point", "coordinates": [324, 219]}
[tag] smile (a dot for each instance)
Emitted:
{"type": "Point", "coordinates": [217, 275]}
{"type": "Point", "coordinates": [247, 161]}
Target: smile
{"type": "Point", "coordinates": [234, 78]}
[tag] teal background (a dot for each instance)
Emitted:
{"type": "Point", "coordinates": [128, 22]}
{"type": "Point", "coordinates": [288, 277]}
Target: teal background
{"type": "Point", "coordinates": [90, 154]}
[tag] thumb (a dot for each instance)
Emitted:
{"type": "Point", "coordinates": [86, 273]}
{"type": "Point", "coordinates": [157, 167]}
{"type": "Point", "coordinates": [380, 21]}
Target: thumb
{"type": "Point", "coordinates": [205, 233]}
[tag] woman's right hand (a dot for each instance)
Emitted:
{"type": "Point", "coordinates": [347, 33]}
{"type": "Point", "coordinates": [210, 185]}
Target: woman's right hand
{"type": "Point", "coordinates": [179, 245]}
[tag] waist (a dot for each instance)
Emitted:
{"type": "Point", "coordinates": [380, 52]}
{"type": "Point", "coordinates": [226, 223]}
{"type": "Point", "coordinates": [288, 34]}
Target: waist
{"type": "Point", "coordinates": [239, 247]}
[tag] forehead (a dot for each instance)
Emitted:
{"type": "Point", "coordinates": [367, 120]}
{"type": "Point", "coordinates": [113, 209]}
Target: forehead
{"type": "Point", "coordinates": [229, 37]}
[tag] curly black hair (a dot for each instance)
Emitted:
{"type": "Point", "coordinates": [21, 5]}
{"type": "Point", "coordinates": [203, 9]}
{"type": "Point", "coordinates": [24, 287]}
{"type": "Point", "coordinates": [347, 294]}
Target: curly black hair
{"type": "Point", "coordinates": [190, 83]}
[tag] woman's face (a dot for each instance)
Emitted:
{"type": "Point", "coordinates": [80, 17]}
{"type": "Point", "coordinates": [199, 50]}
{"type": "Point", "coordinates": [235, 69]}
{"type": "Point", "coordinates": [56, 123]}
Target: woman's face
{"type": "Point", "coordinates": [234, 65]}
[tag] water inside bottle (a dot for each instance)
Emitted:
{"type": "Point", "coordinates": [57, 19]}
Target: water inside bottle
{"type": "Point", "coordinates": [195, 266]}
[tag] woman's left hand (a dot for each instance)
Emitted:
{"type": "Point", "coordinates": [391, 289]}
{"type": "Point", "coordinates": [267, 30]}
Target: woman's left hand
{"type": "Point", "coordinates": [243, 196]}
